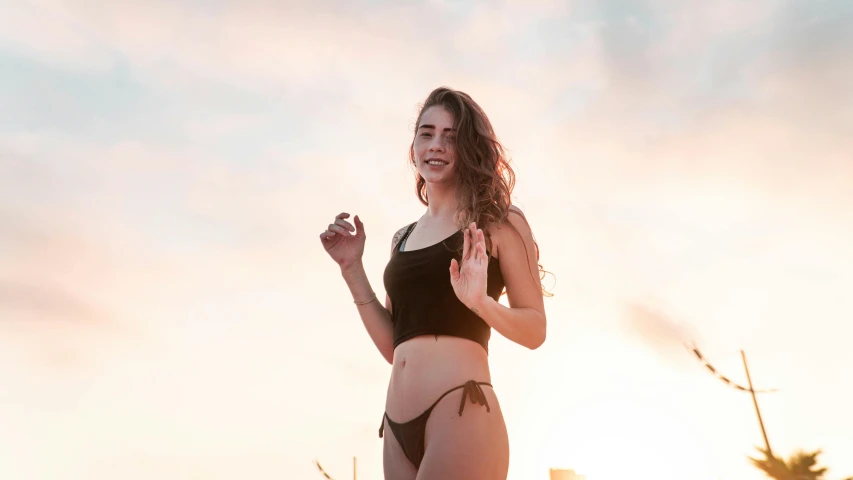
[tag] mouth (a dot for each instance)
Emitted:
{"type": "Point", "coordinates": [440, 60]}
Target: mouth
{"type": "Point", "coordinates": [433, 162]}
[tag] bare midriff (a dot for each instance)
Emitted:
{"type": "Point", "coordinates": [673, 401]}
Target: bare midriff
{"type": "Point", "coordinates": [425, 367]}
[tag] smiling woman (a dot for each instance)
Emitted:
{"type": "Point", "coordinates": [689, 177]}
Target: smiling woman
{"type": "Point", "coordinates": [446, 273]}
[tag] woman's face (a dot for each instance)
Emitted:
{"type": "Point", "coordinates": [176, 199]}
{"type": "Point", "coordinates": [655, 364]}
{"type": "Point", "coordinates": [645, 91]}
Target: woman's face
{"type": "Point", "coordinates": [435, 141]}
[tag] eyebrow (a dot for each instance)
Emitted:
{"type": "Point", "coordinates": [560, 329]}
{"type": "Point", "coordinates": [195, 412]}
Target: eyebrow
{"type": "Point", "coordinates": [426, 125]}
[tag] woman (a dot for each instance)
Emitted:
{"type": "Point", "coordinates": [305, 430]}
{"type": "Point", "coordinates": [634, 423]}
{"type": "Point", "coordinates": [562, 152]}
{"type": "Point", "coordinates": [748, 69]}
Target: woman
{"type": "Point", "coordinates": [447, 271]}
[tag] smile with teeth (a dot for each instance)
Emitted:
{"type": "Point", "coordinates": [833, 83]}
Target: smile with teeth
{"type": "Point", "coordinates": [436, 162]}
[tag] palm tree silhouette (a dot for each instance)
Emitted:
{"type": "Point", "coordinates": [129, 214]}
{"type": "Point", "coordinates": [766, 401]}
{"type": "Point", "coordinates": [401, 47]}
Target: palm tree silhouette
{"type": "Point", "coordinates": [801, 465]}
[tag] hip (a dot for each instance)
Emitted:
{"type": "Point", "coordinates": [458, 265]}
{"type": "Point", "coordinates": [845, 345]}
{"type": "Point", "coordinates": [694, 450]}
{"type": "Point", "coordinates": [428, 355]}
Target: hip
{"type": "Point", "coordinates": [426, 366]}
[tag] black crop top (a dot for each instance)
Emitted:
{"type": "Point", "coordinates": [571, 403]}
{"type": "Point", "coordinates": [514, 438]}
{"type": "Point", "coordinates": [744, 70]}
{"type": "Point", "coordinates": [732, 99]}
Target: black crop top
{"type": "Point", "coordinates": [422, 299]}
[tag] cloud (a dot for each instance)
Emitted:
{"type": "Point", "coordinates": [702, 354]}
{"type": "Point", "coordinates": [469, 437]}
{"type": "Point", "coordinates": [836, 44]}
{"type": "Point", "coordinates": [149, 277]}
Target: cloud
{"type": "Point", "coordinates": [61, 293]}
{"type": "Point", "coordinates": [666, 336]}
{"type": "Point", "coordinates": [44, 302]}
{"type": "Point", "coordinates": [754, 109]}
{"type": "Point", "coordinates": [276, 47]}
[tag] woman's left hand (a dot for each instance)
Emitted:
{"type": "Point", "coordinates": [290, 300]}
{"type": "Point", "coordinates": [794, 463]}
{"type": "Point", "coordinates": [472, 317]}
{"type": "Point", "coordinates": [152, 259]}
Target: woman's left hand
{"type": "Point", "coordinates": [469, 282]}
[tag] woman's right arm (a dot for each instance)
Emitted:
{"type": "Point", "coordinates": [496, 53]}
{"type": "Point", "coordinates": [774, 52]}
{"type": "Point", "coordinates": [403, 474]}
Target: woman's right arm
{"type": "Point", "coordinates": [375, 317]}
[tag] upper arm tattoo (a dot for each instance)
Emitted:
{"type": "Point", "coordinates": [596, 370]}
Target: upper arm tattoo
{"type": "Point", "coordinates": [397, 237]}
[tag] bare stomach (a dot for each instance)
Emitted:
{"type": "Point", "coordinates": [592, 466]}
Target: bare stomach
{"type": "Point", "coordinates": [424, 368]}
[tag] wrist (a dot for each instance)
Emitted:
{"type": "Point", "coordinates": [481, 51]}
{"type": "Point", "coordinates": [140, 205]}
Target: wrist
{"type": "Point", "coordinates": [480, 304]}
{"type": "Point", "coordinates": [351, 267]}
{"type": "Point", "coordinates": [365, 302]}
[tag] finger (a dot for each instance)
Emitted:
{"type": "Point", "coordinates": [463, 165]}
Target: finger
{"type": "Point", "coordinates": [465, 246]}
{"type": "Point", "coordinates": [327, 235]}
{"type": "Point", "coordinates": [345, 224]}
{"type": "Point", "coordinates": [454, 270]}
{"type": "Point", "coordinates": [475, 236]}
{"type": "Point", "coordinates": [339, 229]}
{"type": "Point", "coordinates": [359, 225]}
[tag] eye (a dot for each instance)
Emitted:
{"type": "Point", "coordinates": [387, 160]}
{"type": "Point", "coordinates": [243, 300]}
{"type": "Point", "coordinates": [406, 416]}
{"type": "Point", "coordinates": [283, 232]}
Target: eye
{"type": "Point", "coordinates": [425, 134]}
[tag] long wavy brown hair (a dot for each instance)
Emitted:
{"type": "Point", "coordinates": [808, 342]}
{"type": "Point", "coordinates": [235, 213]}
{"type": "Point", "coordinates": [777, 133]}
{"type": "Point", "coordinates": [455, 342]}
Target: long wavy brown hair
{"type": "Point", "coordinates": [484, 178]}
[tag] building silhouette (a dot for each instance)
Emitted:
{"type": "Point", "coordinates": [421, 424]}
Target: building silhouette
{"type": "Point", "coordinates": [564, 474]}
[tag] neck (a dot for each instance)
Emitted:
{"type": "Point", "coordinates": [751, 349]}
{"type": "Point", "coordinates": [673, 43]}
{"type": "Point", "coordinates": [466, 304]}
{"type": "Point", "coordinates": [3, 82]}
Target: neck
{"type": "Point", "coordinates": [442, 204]}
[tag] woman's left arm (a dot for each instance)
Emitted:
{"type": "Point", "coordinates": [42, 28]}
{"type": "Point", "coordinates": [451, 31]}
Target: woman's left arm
{"type": "Point", "coordinates": [524, 321]}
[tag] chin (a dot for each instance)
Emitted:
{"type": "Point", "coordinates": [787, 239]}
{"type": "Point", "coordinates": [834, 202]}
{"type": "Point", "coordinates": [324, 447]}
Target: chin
{"type": "Point", "coordinates": [437, 178]}
{"type": "Point", "coordinates": [449, 172]}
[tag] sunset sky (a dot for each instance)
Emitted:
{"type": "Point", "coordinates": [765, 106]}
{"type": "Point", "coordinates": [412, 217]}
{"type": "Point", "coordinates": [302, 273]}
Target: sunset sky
{"type": "Point", "coordinates": [166, 167]}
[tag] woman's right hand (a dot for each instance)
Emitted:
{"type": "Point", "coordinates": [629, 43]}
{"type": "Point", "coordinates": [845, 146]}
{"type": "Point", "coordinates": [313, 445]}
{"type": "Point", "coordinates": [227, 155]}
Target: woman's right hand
{"type": "Point", "coordinates": [344, 247]}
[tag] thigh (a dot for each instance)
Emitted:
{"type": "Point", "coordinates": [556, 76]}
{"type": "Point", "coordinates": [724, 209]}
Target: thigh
{"type": "Point", "coordinates": [474, 445]}
{"type": "Point", "coordinates": [394, 462]}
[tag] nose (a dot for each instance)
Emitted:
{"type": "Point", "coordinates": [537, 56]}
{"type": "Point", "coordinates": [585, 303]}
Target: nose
{"type": "Point", "coordinates": [436, 144]}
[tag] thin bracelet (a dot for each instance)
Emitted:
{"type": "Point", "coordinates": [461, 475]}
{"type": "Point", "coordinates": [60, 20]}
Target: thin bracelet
{"type": "Point", "coordinates": [364, 303]}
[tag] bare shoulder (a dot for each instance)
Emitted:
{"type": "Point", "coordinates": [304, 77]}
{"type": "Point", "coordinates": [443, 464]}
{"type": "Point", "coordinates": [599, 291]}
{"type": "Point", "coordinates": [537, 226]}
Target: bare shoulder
{"type": "Point", "coordinates": [517, 211]}
{"type": "Point", "coordinates": [519, 262]}
{"type": "Point", "coordinates": [501, 234]}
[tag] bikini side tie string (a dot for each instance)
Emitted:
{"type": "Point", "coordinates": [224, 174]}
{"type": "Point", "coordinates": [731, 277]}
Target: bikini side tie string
{"type": "Point", "coordinates": [473, 390]}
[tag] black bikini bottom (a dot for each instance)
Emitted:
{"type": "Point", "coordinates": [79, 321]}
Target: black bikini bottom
{"type": "Point", "coordinates": [411, 435]}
